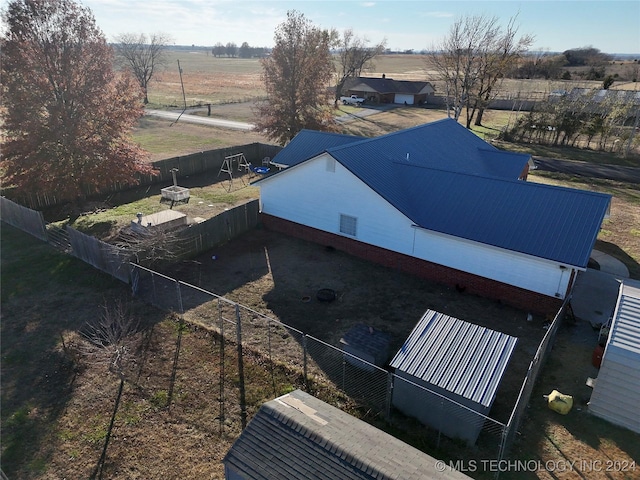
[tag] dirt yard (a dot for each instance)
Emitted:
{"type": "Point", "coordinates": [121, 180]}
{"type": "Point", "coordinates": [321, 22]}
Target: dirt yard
{"type": "Point", "coordinates": [276, 275]}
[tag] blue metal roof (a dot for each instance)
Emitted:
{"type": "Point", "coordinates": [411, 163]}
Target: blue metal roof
{"type": "Point", "coordinates": [457, 356]}
{"type": "Point", "coordinates": [446, 179]}
{"type": "Point", "coordinates": [445, 145]}
{"type": "Point", "coordinates": [556, 223]}
{"type": "Point", "coordinates": [309, 143]}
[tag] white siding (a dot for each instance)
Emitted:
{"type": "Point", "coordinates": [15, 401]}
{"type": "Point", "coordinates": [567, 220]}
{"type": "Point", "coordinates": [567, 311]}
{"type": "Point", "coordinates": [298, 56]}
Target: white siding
{"type": "Point", "coordinates": [616, 395]}
{"type": "Point", "coordinates": [522, 271]}
{"type": "Point", "coordinates": [311, 195]}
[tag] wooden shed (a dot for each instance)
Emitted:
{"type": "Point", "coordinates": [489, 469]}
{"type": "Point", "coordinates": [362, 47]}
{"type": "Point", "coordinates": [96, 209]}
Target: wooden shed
{"type": "Point", "coordinates": [616, 393]}
{"type": "Point", "coordinates": [298, 436]}
{"type": "Point", "coordinates": [461, 365]}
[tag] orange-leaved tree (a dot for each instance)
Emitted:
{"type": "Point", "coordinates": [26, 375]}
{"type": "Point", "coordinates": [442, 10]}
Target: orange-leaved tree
{"type": "Point", "coordinates": [297, 75]}
{"type": "Point", "coordinates": [67, 116]}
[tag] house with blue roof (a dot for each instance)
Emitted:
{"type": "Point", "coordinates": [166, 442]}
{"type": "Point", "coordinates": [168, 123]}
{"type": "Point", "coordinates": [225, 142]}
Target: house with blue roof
{"type": "Point", "coordinates": [437, 201]}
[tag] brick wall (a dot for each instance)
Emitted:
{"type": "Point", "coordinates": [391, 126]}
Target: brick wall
{"type": "Point", "coordinates": [508, 294]}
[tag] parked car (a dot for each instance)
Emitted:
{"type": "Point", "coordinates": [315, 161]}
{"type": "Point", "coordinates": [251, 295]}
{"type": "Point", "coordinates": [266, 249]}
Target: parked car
{"type": "Point", "coordinates": [352, 100]}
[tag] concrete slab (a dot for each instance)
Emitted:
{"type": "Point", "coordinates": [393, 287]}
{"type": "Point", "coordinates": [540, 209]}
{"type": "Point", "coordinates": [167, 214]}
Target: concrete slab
{"type": "Point", "coordinates": [609, 264]}
{"type": "Point", "coordinates": [594, 296]}
{"type": "Point", "coordinates": [165, 220]}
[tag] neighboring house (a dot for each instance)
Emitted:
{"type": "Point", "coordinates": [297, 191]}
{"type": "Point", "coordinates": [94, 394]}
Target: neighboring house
{"type": "Point", "coordinates": [437, 201]}
{"type": "Point", "coordinates": [458, 361]}
{"type": "Point", "coordinates": [616, 393]}
{"type": "Point", "coordinates": [297, 436]}
{"type": "Point", "coordinates": [388, 90]}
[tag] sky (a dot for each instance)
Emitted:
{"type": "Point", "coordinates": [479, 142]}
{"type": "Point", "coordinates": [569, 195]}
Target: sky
{"type": "Point", "coordinates": [611, 26]}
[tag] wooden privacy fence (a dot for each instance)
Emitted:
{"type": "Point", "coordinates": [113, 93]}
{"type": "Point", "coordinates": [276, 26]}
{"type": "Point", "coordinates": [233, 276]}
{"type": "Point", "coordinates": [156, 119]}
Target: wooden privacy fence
{"type": "Point", "coordinates": [220, 229]}
{"type": "Point", "coordinates": [187, 165]}
{"type": "Point", "coordinates": [23, 218]}
{"type": "Point", "coordinates": [101, 255]}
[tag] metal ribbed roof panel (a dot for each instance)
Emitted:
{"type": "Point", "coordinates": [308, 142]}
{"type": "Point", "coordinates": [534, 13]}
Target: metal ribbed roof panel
{"type": "Point", "coordinates": [625, 328]}
{"type": "Point", "coordinates": [458, 356]}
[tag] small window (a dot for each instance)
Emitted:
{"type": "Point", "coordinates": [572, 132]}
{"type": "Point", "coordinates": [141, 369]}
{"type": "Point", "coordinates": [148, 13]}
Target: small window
{"type": "Point", "coordinates": [331, 164]}
{"type": "Point", "coordinates": [348, 225]}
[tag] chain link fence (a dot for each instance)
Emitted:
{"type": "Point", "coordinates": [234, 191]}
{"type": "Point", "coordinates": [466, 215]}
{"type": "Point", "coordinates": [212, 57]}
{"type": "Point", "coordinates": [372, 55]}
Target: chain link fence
{"type": "Point", "coordinates": [268, 358]}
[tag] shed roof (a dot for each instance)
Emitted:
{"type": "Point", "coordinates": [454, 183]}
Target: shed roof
{"type": "Point", "coordinates": [457, 356]}
{"type": "Point", "coordinates": [298, 436]}
{"type": "Point", "coordinates": [624, 334]}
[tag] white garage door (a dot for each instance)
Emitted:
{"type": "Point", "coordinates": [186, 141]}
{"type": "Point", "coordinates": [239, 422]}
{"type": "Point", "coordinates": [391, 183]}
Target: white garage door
{"type": "Point", "coordinates": [400, 98]}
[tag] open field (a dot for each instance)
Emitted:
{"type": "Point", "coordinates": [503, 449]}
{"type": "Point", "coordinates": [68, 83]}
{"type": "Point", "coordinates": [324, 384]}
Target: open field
{"type": "Point", "coordinates": [216, 80]}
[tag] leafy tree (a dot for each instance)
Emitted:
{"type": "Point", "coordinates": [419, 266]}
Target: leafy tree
{"type": "Point", "coordinates": [608, 81]}
{"type": "Point", "coordinates": [296, 76]}
{"type": "Point", "coordinates": [586, 56]}
{"type": "Point", "coordinates": [141, 56]}
{"type": "Point", "coordinates": [66, 113]}
{"type": "Point", "coordinates": [354, 55]}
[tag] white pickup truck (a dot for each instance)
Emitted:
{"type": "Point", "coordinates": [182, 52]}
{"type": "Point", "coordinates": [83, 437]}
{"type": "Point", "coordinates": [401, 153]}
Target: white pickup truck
{"type": "Point", "coordinates": [352, 100]}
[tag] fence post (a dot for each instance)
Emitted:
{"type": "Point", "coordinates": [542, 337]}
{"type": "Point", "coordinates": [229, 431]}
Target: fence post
{"type": "Point", "coordinates": [389, 398]}
{"type": "Point", "coordinates": [243, 399]}
{"type": "Point", "coordinates": [304, 361]}
{"type": "Point", "coordinates": [179, 292]}
{"type": "Point", "coordinates": [222, 376]}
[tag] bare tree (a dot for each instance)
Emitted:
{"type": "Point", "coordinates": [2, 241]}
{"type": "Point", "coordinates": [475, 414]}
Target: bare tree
{"type": "Point", "coordinates": [473, 57]}
{"type": "Point", "coordinates": [112, 339]}
{"type": "Point", "coordinates": [150, 246]}
{"type": "Point", "coordinates": [498, 55]}
{"type": "Point", "coordinates": [354, 56]}
{"type": "Point", "coordinates": [142, 56]}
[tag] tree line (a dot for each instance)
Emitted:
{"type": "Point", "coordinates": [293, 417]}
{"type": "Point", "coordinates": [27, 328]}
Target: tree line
{"type": "Point", "coordinates": [232, 50]}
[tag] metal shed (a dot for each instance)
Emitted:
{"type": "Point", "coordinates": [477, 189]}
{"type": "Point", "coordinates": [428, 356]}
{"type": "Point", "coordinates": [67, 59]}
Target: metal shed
{"type": "Point", "coordinates": [616, 393]}
{"type": "Point", "coordinates": [461, 364]}
{"type": "Point", "coordinates": [297, 436]}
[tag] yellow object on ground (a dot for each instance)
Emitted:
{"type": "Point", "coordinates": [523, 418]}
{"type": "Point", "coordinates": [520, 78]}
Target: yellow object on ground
{"type": "Point", "coordinates": [559, 402]}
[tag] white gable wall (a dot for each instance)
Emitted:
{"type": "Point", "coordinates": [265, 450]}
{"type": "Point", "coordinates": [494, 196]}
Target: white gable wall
{"type": "Point", "coordinates": [311, 194]}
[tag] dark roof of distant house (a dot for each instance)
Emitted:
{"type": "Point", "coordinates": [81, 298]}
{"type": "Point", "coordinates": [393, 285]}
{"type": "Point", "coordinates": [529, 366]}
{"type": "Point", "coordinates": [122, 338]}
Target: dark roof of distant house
{"type": "Point", "coordinates": [298, 436]}
{"type": "Point", "coordinates": [388, 85]}
{"type": "Point", "coordinates": [446, 179]}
